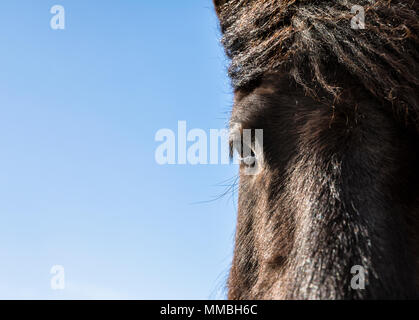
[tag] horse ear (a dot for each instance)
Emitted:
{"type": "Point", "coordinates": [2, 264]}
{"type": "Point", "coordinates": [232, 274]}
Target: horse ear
{"type": "Point", "coordinates": [218, 5]}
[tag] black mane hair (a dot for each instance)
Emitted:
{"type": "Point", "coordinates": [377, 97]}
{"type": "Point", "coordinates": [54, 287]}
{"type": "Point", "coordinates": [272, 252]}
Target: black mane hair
{"type": "Point", "coordinates": [312, 41]}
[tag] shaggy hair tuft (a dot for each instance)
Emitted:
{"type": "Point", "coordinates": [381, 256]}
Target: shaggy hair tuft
{"type": "Point", "coordinates": [312, 41]}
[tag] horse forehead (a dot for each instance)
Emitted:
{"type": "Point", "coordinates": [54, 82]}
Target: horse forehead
{"type": "Point", "coordinates": [247, 109]}
{"type": "Point", "coordinates": [265, 101]}
{"type": "Point", "coordinates": [250, 104]}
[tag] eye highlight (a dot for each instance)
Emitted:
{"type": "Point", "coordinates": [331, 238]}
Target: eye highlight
{"type": "Point", "coordinates": [246, 155]}
{"type": "Point", "coordinates": [249, 161]}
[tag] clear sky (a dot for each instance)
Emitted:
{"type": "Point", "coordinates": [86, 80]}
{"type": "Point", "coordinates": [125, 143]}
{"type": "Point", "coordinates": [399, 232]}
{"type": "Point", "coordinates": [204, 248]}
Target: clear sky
{"type": "Point", "coordinates": [80, 187]}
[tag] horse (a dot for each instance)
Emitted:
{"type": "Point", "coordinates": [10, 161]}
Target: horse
{"type": "Point", "coordinates": [333, 212]}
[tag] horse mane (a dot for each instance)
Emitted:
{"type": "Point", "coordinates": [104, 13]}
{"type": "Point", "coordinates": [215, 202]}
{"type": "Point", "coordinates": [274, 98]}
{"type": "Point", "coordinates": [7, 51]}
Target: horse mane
{"type": "Point", "coordinates": [312, 41]}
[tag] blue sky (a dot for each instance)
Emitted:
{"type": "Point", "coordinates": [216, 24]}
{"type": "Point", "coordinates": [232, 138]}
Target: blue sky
{"type": "Point", "coordinates": [80, 186]}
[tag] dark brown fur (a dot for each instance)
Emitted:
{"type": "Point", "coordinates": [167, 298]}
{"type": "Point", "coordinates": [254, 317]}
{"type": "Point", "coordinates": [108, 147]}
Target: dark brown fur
{"type": "Point", "coordinates": [340, 182]}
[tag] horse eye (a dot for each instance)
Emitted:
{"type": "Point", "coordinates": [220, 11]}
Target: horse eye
{"type": "Point", "coordinates": [243, 142]}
